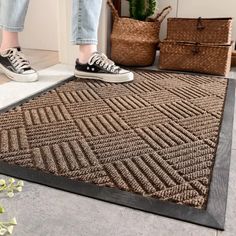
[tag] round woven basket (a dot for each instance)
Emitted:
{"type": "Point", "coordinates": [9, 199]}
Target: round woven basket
{"type": "Point", "coordinates": [134, 42]}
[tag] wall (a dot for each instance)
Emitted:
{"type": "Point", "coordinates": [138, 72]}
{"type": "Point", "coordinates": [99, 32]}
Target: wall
{"type": "Point", "coordinates": [41, 28]}
{"type": "Point", "coordinates": [41, 25]}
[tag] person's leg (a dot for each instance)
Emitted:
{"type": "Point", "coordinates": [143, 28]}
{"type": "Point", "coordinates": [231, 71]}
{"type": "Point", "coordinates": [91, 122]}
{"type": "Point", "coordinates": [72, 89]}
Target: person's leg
{"type": "Point", "coordinates": [91, 64]}
{"type": "Point", "coordinates": [12, 61]}
{"type": "Point", "coordinates": [85, 20]}
{"type": "Point", "coordinates": [12, 17]}
{"type": "Point", "coordinates": [9, 40]}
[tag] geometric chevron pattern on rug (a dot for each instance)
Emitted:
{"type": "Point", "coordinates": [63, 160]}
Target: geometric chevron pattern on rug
{"type": "Point", "coordinates": [155, 136]}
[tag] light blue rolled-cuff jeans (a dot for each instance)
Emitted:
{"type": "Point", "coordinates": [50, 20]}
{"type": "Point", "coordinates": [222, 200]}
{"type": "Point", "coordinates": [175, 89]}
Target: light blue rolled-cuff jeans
{"type": "Point", "coordinates": [85, 18]}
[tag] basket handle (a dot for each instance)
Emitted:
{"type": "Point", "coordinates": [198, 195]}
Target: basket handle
{"type": "Point", "coordinates": [113, 9]}
{"type": "Point", "coordinates": [162, 15]}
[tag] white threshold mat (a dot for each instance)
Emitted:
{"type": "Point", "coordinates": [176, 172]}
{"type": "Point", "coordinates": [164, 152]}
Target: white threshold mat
{"type": "Point", "coordinates": [14, 92]}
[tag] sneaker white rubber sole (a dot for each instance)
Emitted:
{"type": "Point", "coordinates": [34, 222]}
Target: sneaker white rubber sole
{"type": "Point", "coordinates": [110, 78]}
{"type": "Point", "coordinates": [31, 77]}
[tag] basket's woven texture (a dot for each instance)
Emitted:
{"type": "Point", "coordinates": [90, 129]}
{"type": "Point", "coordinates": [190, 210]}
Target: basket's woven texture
{"type": "Point", "coordinates": [134, 42]}
{"type": "Point", "coordinates": [156, 136]}
{"type": "Point", "coordinates": [204, 58]}
{"type": "Point", "coordinates": [217, 30]}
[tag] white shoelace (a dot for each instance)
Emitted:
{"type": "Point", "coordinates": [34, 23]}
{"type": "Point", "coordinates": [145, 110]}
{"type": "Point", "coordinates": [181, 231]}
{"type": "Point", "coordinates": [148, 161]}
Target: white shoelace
{"type": "Point", "coordinates": [104, 62]}
{"type": "Point", "coordinates": [17, 59]}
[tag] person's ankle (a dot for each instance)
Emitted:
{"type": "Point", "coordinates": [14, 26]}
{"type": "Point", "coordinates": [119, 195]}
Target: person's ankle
{"type": "Point", "coordinates": [86, 52]}
{"type": "Point", "coordinates": [84, 58]}
{"type": "Point", "coordinates": [5, 47]}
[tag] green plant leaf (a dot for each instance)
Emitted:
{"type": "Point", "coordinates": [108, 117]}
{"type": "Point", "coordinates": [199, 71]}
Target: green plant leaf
{"type": "Point", "coordinates": [10, 187]}
{"type": "Point", "coordinates": [20, 183]}
{"type": "Point", "coordinates": [11, 180]}
{"type": "Point", "coordinates": [2, 210]}
{"type": "Point", "coordinates": [19, 189]}
{"type": "Point", "coordinates": [13, 221]}
{"type": "Point", "coordinates": [142, 9]}
{"type": "Point", "coordinates": [10, 229]}
{"type": "Point", "coordinates": [3, 231]}
{"type": "Point", "coordinates": [10, 194]}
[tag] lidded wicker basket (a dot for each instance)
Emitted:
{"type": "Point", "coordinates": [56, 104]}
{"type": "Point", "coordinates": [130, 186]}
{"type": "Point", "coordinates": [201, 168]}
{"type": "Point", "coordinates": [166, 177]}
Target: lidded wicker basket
{"type": "Point", "coordinates": [204, 30]}
{"type": "Point", "coordinates": [198, 45]}
{"type": "Point", "coordinates": [207, 58]}
{"type": "Point", "coordinates": [134, 42]}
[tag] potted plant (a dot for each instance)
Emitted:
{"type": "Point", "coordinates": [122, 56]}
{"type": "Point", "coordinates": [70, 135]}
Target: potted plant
{"type": "Point", "coordinates": [134, 40]}
{"type": "Point", "coordinates": [143, 9]}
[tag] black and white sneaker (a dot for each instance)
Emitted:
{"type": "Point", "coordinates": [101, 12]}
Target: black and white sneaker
{"type": "Point", "coordinates": [16, 67]}
{"type": "Point", "coordinates": [99, 67]}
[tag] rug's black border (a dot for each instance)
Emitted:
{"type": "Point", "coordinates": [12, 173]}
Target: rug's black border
{"type": "Point", "coordinates": [213, 216]}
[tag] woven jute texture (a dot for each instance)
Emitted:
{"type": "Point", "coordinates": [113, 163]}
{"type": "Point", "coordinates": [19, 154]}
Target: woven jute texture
{"type": "Point", "coordinates": [134, 42]}
{"type": "Point", "coordinates": [202, 30]}
{"type": "Point", "coordinates": [195, 57]}
{"type": "Point", "coordinates": [156, 136]}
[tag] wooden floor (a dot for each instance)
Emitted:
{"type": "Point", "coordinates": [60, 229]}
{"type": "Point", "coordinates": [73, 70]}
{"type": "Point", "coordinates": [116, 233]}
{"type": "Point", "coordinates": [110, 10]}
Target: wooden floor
{"type": "Point", "coordinates": [40, 59]}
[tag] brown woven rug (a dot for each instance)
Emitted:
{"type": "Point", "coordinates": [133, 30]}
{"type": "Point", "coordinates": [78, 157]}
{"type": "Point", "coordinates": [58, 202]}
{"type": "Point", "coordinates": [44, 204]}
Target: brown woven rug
{"type": "Point", "coordinates": [155, 137]}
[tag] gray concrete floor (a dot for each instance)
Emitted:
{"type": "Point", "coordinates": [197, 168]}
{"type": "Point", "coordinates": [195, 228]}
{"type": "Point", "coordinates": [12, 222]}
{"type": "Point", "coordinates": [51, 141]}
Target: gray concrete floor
{"type": "Point", "coordinates": [43, 211]}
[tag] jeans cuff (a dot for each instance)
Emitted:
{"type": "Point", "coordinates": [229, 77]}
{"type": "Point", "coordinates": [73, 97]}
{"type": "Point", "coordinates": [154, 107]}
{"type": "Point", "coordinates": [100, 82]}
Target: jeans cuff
{"type": "Point", "coordinates": [84, 41]}
{"type": "Point", "coordinates": [11, 29]}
